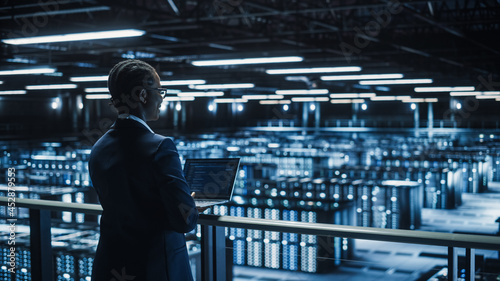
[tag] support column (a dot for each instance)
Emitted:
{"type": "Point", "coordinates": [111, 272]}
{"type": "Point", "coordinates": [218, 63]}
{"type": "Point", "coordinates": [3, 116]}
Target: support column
{"type": "Point", "coordinates": [355, 110]}
{"type": "Point", "coordinates": [416, 119]}
{"type": "Point", "coordinates": [176, 116]}
{"type": "Point", "coordinates": [42, 267]}
{"type": "Point", "coordinates": [430, 119]}
{"type": "Point", "coordinates": [452, 264]}
{"type": "Point", "coordinates": [470, 264]}
{"type": "Point", "coordinates": [183, 117]}
{"type": "Point", "coordinates": [305, 114]}
{"type": "Point", "coordinates": [213, 253]}
{"type": "Point", "coordinates": [317, 115]}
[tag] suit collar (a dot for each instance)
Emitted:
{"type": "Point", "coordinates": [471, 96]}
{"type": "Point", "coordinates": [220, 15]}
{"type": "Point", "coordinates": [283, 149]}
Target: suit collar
{"type": "Point", "coordinates": [130, 123]}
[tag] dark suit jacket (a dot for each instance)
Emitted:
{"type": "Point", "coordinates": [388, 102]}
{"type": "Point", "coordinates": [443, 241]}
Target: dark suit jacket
{"type": "Point", "coordinates": [146, 204]}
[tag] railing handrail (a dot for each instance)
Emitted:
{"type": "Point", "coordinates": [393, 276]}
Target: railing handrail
{"type": "Point", "coordinates": [321, 229]}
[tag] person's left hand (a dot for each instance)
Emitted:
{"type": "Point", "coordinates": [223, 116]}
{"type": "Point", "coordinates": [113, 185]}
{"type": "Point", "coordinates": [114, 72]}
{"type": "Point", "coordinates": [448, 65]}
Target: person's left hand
{"type": "Point", "coordinates": [200, 209]}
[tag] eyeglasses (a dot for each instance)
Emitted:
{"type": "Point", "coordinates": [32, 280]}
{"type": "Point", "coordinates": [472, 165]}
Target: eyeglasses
{"type": "Point", "coordinates": [162, 91]}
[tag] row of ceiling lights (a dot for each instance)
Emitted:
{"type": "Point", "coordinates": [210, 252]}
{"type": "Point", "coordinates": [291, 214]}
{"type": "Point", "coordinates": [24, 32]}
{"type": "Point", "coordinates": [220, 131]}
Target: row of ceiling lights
{"type": "Point", "coordinates": [364, 79]}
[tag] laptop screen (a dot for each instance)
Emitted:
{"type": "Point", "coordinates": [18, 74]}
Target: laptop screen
{"type": "Point", "coordinates": [211, 178]}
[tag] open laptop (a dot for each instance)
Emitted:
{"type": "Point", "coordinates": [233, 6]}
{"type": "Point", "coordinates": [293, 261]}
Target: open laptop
{"type": "Point", "coordinates": [212, 179]}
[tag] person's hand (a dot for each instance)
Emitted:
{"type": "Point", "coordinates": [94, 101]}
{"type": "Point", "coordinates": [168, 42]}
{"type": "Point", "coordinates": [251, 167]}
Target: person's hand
{"type": "Point", "coordinates": [200, 209]}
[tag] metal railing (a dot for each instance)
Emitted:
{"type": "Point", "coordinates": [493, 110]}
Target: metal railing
{"type": "Point", "coordinates": [213, 259]}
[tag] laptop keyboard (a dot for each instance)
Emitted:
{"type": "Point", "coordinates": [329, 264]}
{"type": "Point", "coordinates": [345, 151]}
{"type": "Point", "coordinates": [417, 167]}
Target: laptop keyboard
{"type": "Point", "coordinates": [202, 202]}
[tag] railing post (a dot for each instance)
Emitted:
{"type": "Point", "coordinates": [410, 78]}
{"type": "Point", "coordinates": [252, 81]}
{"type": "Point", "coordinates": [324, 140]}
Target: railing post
{"type": "Point", "coordinates": [470, 264]}
{"type": "Point", "coordinates": [452, 264]}
{"type": "Point", "coordinates": [213, 253]}
{"type": "Point", "coordinates": [42, 268]}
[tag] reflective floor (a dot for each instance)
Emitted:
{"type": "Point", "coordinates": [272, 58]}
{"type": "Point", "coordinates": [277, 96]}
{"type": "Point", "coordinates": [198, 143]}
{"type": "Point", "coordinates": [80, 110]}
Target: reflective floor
{"type": "Point", "coordinates": [400, 262]}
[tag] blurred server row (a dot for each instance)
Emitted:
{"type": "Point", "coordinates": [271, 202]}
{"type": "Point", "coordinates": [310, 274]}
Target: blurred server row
{"type": "Point", "coordinates": [377, 182]}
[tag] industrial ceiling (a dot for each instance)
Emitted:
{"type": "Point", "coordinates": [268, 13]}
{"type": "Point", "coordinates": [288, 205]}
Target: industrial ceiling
{"type": "Point", "coordinates": [454, 43]}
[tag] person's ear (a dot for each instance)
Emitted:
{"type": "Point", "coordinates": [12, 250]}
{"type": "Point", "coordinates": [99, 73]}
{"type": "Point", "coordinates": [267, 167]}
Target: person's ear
{"type": "Point", "coordinates": [143, 96]}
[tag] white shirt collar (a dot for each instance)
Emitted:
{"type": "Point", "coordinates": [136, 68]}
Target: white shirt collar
{"type": "Point", "coordinates": [133, 117]}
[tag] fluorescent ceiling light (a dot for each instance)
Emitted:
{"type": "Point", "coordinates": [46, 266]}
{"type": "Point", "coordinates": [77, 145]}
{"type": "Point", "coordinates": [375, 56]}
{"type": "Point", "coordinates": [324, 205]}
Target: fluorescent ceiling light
{"type": "Point", "coordinates": [222, 86]}
{"type": "Point", "coordinates": [362, 77]}
{"type": "Point", "coordinates": [396, 82]}
{"type": "Point", "coordinates": [275, 97]}
{"type": "Point", "coordinates": [246, 61]}
{"type": "Point", "coordinates": [444, 89]}
{"type": "Point", "coordinates": [343, 101]}
{"type": "Point", "coordinates": [254, 97]}
{"type": "Point", "coordinates": [487, 97]}
{"type": "Point", "coordinates": [51, 87]}
{"type": "Point", "coordinates": [89, 78]}
{"type": "Point", "coordinates": [261, 97]}
{"type": "Point", "coordinates": [344, 96]}
{"type": "Point", "coordinates": [383, 98]}
{"type": "Point", "coordinates": [229, 100]}
{"type": "Point", "coordinates": [314, 70]}
{"type": "Point", "coordinates": [431, 100]}
{"type": "Point", "coordinates": [463, 94]}
{"type": "Point", "coordinates": [182, 82]}
{"type": "Point", "coordinates": [275, 102]}
{"type": "Point", "coordinates": [191, 98]}
{"type": "Point", "coordinates": [76, 37]}
{"type": "Point", "coordinates": [200, 94]}
{"type": "Point", "coordinates": [49, 157]}
{"type": "Point", "coordinates": [310, 99]}
{"type": "Point", "coordinates": [28, 71]}
{"type": "Point", "coordinates": [302, 92]}
{"type": "Point", "coordinates": [1, 82]}
{"type": "Point", "coordinates": [96, 90]}
{"type": "Point", "coordinates": [13, 92]}
{"type": "Point", "coordinates": [351, 95]}
{"type": "Point", "coordinates": [401, 98]}
{"type": "Point", "coordinates": [97, 96]}
{"type": "Point", "coordinates": [366, 95]}
{"type": "Point", "coordinates": [475, 93]}
{"type": "Point", "coordinates": [418, 100]}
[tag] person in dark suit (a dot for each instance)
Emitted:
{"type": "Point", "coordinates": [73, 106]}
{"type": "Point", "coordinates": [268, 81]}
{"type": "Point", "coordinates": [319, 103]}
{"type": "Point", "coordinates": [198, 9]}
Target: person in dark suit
{"type": "Point", "coordinates": [147, 205]}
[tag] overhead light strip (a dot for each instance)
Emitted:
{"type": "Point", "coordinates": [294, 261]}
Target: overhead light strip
{"type": "Point", "coordinates": [345, 101]}
{"type": "Point", "coordinates": [475, 93]}
{"type": "Point", "coordinates": [262, 97]}
{"type": "Point", "coordinates": [444, 89]}
{"type": "Point", "coordinates": [96, 90]}
{"type": "Point", "coordinates": [487, 97]}
{"type": "Point", "coordinates": [247, 61]}
{"type": "Point", "coordinates": [28, 71]}
{"type": "Point", "coordinates": [191, 98]}
{"type": "Point", "coordinates": [222, 86]}
{"type": "Point", "coordinates": [97, 96]}
{"type": "Point", "coordinates": [230, 100]}
{"type": "Point", "coordinates": [362, 77]}
{"type": "Point", "coordinates": [89, 78]}
{"type": "Point", "coordinates": [51, 87]}
{"type": "Point", "coordinates": [383, 98]}
{"type": "Point", "coordinates": [396, 82]}
{"type": "Point", "coordinates": [314, 70]}
{"type": "Point", "coordinates": [310, 99]}
{"type": "Point", "coordinates": [302, 92]}
{"type": "Point", "coordinates": [416, 100]}
{"type": "Point", "coordinates": [111, 34]}
{"type": "Point", "coordinates": [13, 92]}
{"type": "Point", "coordinates": [182, 82]}
{"type": "Point", "coordinates": [351, 95]}
{"type": "Point", "coordinates": [268, 102]}
{"type": "Point", "coordinates": [201, 94]}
